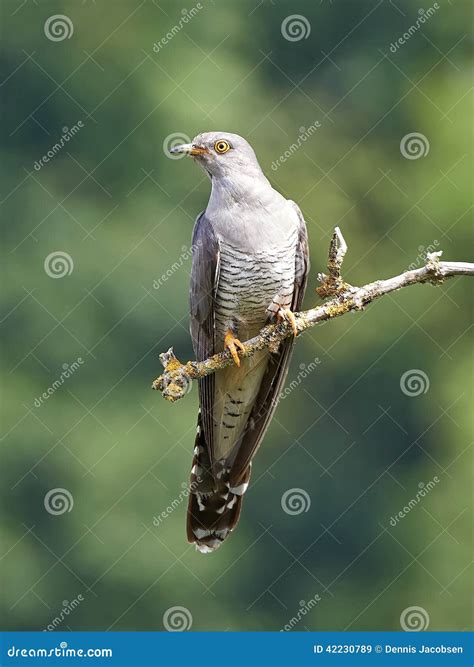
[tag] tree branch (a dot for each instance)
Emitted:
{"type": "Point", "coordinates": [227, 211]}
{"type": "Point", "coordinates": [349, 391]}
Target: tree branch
{"type": "Point", "coordinates": [177, 378]}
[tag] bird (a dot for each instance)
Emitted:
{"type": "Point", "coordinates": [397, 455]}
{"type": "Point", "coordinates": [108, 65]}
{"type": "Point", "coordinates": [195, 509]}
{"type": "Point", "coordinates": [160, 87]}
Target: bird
{"type": "Point", "coordinates": [250, 264]}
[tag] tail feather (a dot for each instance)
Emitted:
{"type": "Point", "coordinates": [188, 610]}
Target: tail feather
{"type": "Point", "coordinates": [214, 505]}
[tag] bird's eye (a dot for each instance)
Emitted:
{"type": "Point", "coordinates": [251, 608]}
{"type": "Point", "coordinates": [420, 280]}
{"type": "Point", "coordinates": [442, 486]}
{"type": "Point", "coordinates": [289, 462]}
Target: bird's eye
{"type": "Point", "coordinates": [221, 146]}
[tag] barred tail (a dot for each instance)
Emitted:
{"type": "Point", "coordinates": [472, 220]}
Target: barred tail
{"type": "Point", "coordinates": [214, 506]}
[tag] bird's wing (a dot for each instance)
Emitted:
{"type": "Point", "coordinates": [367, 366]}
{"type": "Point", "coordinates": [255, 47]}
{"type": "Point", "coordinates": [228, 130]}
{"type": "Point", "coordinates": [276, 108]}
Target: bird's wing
{"type": "Point", "coordinates": [277, 368]}
{"type": "Point", "coordinates": [204, 281]}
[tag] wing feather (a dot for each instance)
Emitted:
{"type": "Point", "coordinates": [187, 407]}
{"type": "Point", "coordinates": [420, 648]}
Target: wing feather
{"type": "Point", "coordinates": [204, 281]}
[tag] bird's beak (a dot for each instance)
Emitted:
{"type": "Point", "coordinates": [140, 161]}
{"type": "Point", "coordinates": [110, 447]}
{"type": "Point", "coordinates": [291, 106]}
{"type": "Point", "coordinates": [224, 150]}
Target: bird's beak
{"type": "Point", "coordinates": [189, 149]}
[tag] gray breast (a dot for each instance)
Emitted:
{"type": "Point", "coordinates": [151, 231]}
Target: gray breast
{"type": "Point", "coordinates": [252, 285]}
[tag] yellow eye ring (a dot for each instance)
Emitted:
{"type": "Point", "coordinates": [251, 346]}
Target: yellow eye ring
{"type": "Point", "coordinates": [221, 146]}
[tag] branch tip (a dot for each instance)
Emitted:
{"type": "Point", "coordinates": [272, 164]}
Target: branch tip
{"type": "Point", "coordinates": [434, 267]}
{"type": "Point", "coordinates": [333, 284]}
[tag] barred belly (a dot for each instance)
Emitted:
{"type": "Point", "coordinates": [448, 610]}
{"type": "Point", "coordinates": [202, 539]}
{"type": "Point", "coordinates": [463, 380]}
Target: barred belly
{"type": "Point", "coordinates": [253, 286]}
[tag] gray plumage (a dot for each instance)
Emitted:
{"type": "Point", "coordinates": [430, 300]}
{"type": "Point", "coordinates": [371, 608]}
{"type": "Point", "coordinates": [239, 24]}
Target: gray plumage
{"type": "Point", "coordinates": [250, 262]}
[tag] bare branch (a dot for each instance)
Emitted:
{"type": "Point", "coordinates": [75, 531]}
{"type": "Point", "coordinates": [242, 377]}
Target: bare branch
{"type": "Point", "coordinates": [177, 378]}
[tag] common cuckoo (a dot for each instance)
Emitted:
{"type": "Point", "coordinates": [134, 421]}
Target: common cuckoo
{"type": "Point", "coordinates": [250, 265]}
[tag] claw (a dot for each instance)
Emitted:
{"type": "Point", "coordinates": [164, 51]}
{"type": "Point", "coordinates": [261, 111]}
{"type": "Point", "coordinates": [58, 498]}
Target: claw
{"type": "Point", "coordinates": [287, 315]}
{"type": "Point", "coordinates": [231, 343]}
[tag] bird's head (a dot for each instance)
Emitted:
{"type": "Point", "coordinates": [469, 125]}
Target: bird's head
{"type": "Point", "coordinates": [221, 154]}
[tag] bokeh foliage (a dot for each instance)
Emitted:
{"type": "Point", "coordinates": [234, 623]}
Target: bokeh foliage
{"type": "Point", "coordinates": [124, 212]}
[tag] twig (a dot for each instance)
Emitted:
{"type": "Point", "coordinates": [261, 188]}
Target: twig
{"type": "Point", "coordinates": [177, 378]}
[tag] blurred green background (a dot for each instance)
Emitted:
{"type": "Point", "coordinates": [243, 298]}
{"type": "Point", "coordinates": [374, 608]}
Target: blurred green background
{"type": "Point", "coordinates": [122, 211]}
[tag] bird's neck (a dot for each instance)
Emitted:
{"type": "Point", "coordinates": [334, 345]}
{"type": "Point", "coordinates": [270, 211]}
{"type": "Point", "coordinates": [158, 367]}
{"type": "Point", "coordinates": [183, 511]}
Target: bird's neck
{"type": "Point", "coordinates": [249, 214]}
{"type": "Point", "coordinates": [251, 189]}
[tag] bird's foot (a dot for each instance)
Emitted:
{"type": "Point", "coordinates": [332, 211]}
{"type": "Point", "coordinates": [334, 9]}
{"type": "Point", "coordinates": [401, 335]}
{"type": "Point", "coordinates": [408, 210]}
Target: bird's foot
{"type": "Point", "coordinates": [285, 314]}
{"type": "Point", "coordinates": [231, 343]}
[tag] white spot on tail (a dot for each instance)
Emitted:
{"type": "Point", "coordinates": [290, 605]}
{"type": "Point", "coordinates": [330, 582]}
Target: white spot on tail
{"type": "Point", "coordinates": [201, 505]}
{"type": "Point", "coordinates": [222, 533]}
{"type": "Point", "coordinates": [239, 490]}
{"type": "Point", "coordinates": [232, 502]}
{"type": "Point", "coordinates": [201, 532]}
